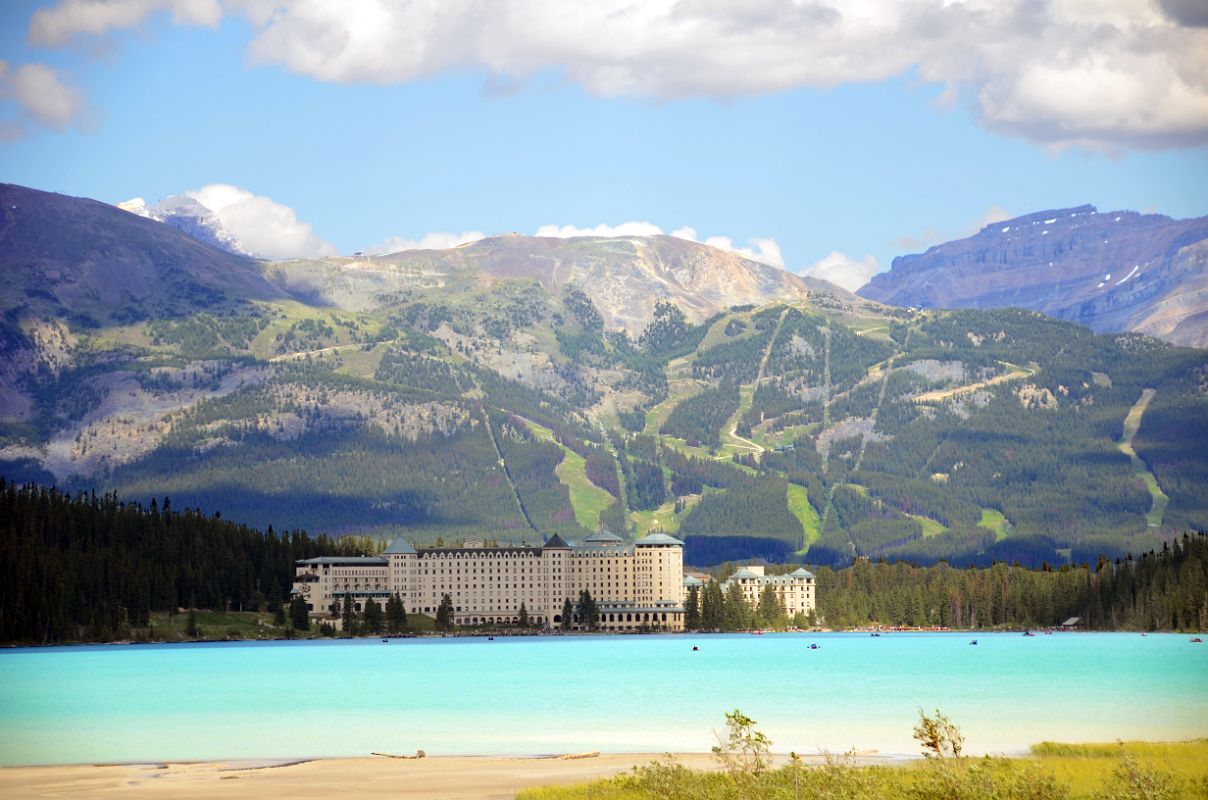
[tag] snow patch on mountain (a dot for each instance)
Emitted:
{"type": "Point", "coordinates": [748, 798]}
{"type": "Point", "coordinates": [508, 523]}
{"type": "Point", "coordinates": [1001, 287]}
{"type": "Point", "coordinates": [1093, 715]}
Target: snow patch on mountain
{"type": "Point", "coordinates": [189, 217]}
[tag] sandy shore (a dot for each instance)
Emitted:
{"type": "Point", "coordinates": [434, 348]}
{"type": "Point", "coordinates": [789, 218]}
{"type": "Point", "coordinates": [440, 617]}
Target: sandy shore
{"type": "Point", "coordinates": [463, 778]}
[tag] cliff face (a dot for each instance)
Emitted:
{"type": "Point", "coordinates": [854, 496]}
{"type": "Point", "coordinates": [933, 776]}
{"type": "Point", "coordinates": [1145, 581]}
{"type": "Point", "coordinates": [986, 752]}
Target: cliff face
{"type": "Point", "coordinates": [1112, 271]}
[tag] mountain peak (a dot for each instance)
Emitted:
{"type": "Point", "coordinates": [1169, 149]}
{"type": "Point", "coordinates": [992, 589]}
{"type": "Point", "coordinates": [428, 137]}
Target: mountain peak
{"type": "Point", "coordinates": [625, 276]}
{"type": "Point", "coordinates": [190, 217]}
{"type": "Point", "coordinates": [1111, 271]}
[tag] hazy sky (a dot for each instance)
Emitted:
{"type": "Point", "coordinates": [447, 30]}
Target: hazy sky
{"type": "Point", "coordinates": [817, 135]}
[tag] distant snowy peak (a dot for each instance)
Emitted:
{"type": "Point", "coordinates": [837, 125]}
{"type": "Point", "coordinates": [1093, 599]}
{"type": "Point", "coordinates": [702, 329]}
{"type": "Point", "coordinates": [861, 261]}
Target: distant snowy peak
{"type": "Point", "coordinates": [189, 217]}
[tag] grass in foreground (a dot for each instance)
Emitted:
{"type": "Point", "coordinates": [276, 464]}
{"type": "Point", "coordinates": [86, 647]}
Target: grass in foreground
{"type": "Point", "coordinates": [1128, 771]}
{"type": "Point", "coordinates": [1121, 771]}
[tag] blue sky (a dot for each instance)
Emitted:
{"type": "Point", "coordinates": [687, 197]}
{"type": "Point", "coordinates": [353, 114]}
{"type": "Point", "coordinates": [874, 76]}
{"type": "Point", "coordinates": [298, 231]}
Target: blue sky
{"type": "Point", "coordinates": [372, 145]}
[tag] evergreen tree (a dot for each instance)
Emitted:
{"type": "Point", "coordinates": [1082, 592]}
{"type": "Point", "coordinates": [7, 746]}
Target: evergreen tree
{"type": "Point", "coordinates": [373, 617]}
{"type": "Point", "coordinates": [348, 616]}
{"type": "Point", "coordinates": [191, 628]}
{"type": "Point", "coordinates": [712, 607]}
{"type": "Point", "coordinates": [299, 616]}
{"type": "Point", "coordinates": [396, 614]}
{"type": "Point", "coordinates": [770, 613]}
{"type": "Point", "coordinates": [524, 617]}
{"type": "Point", "coordinates": [568, 614]}
{"type": "Point", "coordinates": [736, 614]}
{"type": "Point", "coordinates": [589, 614]}
{"type": "Point", "coordinates": [692, 609]}
{"type": "Point", "coordinates": [444, 614]}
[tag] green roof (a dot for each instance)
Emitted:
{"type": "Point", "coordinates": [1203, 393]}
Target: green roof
{"type": "Point", "coordinates": [399, 547]}
{"type": "Point", "coordinates": [603, 537]}
{"type": "Point", "coordinates": [801, 572]}
{"type": "Point", "coordinates": [658, 538]}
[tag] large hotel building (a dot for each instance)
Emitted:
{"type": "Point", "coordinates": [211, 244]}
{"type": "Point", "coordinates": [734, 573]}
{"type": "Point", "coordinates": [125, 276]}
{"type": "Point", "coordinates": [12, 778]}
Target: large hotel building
{"type": "Point", "coordinates": [638, 585]}
{"type": "Point", "coordinates": [635, 586]}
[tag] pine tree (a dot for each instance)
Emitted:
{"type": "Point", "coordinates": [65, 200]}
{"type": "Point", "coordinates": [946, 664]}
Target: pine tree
{"type": "Point", "coordinates": [770, 613]}
{"type": "Point", "coordinates": [373, 617]}
{"type": "Point", "coordinates": [568, 614]}
{"type": "Point", "coordinates": [396, 614]}
{"type": "Point", "coordinates": [524, 617]}
{"type": "Point", "coordinates": [589, 614]}
{"type": "Point", "coordinates": [348, 616]}
{"type": "Point", "coordinates": [736, 614]}
{"type": "Point", "coordinates": [692, 609]}
{"type": "Point", "coordinates": [712, 607]}
{"type": "Point", "coordinates": [299, 615]}
{"type": "Point", "coordinates": [444, 614]}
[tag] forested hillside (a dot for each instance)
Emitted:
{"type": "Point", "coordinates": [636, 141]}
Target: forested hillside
{"type": "Point", "coordinates": [463, 402]}
{"type": "Point", "coordinates": [91, 567]}
{"type": "Point", "coordinates": [1162, 590]}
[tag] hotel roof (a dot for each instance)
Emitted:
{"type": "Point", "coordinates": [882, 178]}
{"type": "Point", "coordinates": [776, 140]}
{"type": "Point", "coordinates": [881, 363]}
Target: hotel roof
{"type": "Point", "coordinates": [346, 561]}
{"type": "Point", "coordinates": [603, 537]}
{"type": "Point", "coordinates": [399, 547]}
{"type": "Point", "coordinates": [658, 538]}
{"type": "Point", "coordinates": [556, 542]}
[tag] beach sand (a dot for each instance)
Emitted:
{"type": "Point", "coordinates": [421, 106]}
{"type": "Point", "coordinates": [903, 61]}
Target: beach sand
{"type": "Point", "coordinates": [463, 778]}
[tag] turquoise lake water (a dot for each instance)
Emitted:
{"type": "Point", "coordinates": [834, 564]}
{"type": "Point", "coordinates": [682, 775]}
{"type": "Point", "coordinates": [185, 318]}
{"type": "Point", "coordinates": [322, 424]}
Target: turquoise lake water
{"type": "Point", "coordinates": [536, 695]}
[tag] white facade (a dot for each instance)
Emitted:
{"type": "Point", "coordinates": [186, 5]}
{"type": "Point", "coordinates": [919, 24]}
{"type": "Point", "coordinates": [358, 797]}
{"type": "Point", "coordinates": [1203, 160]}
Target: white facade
{"type": "Point", "coordinates": [634, 585]}
{"type": "Point", "coordinates": [795, 591]}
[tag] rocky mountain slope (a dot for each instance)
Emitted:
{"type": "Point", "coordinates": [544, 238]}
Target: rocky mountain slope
{"type": "Point", "coordinates": [76, 258]}
{"type": "Point", "coordinates": [1116, 271]}
{"type": "Point", "coordinates": [624, 276]}
{"type": "Point", "coordinates": [515, 388]}
{"type": "Point", "coordinates": [190, 217]}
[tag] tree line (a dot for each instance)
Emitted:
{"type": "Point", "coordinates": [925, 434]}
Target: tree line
{"type": "Point", "coordinates": [91, 567]}
{"type": "Point", "coordinates": [1164, 589]}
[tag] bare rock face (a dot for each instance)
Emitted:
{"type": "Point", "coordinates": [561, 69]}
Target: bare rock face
{"type": "Point", "coordinates": [624, 276]}
{"type": "Point", "coordinates": [1117, 271]}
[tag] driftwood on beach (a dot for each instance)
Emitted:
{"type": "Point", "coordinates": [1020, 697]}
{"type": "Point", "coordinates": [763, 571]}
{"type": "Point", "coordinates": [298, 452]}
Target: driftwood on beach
{"type": "Point", "coordinates": [418, 754]}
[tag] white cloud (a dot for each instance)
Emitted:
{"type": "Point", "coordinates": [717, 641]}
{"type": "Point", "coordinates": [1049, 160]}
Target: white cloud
{"type": "Point", "coordinates": [761, 249]}
{"type": "Point", "coordinates": [263, 227]}
{"type": "Point", "coordinates": [60, 24]}
{"type": "Point", "coordinates": [765, 250]}
{"type": "Point", "coordinates": [624, 229]}
{"type": "Point", "coordinates": [429, 241]}
{"type": "Point", "coordinates": [42, 98]}
{"type": "Point", "coordinates": [844, 271]}
{"type": "Point", "coordinates": [1099, 73]}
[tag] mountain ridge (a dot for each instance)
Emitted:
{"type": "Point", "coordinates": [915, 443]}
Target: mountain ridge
{"type": "Point", "coordinates": [1112, 271]}
{"type": "Point", "coordinates": [483, 391]}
